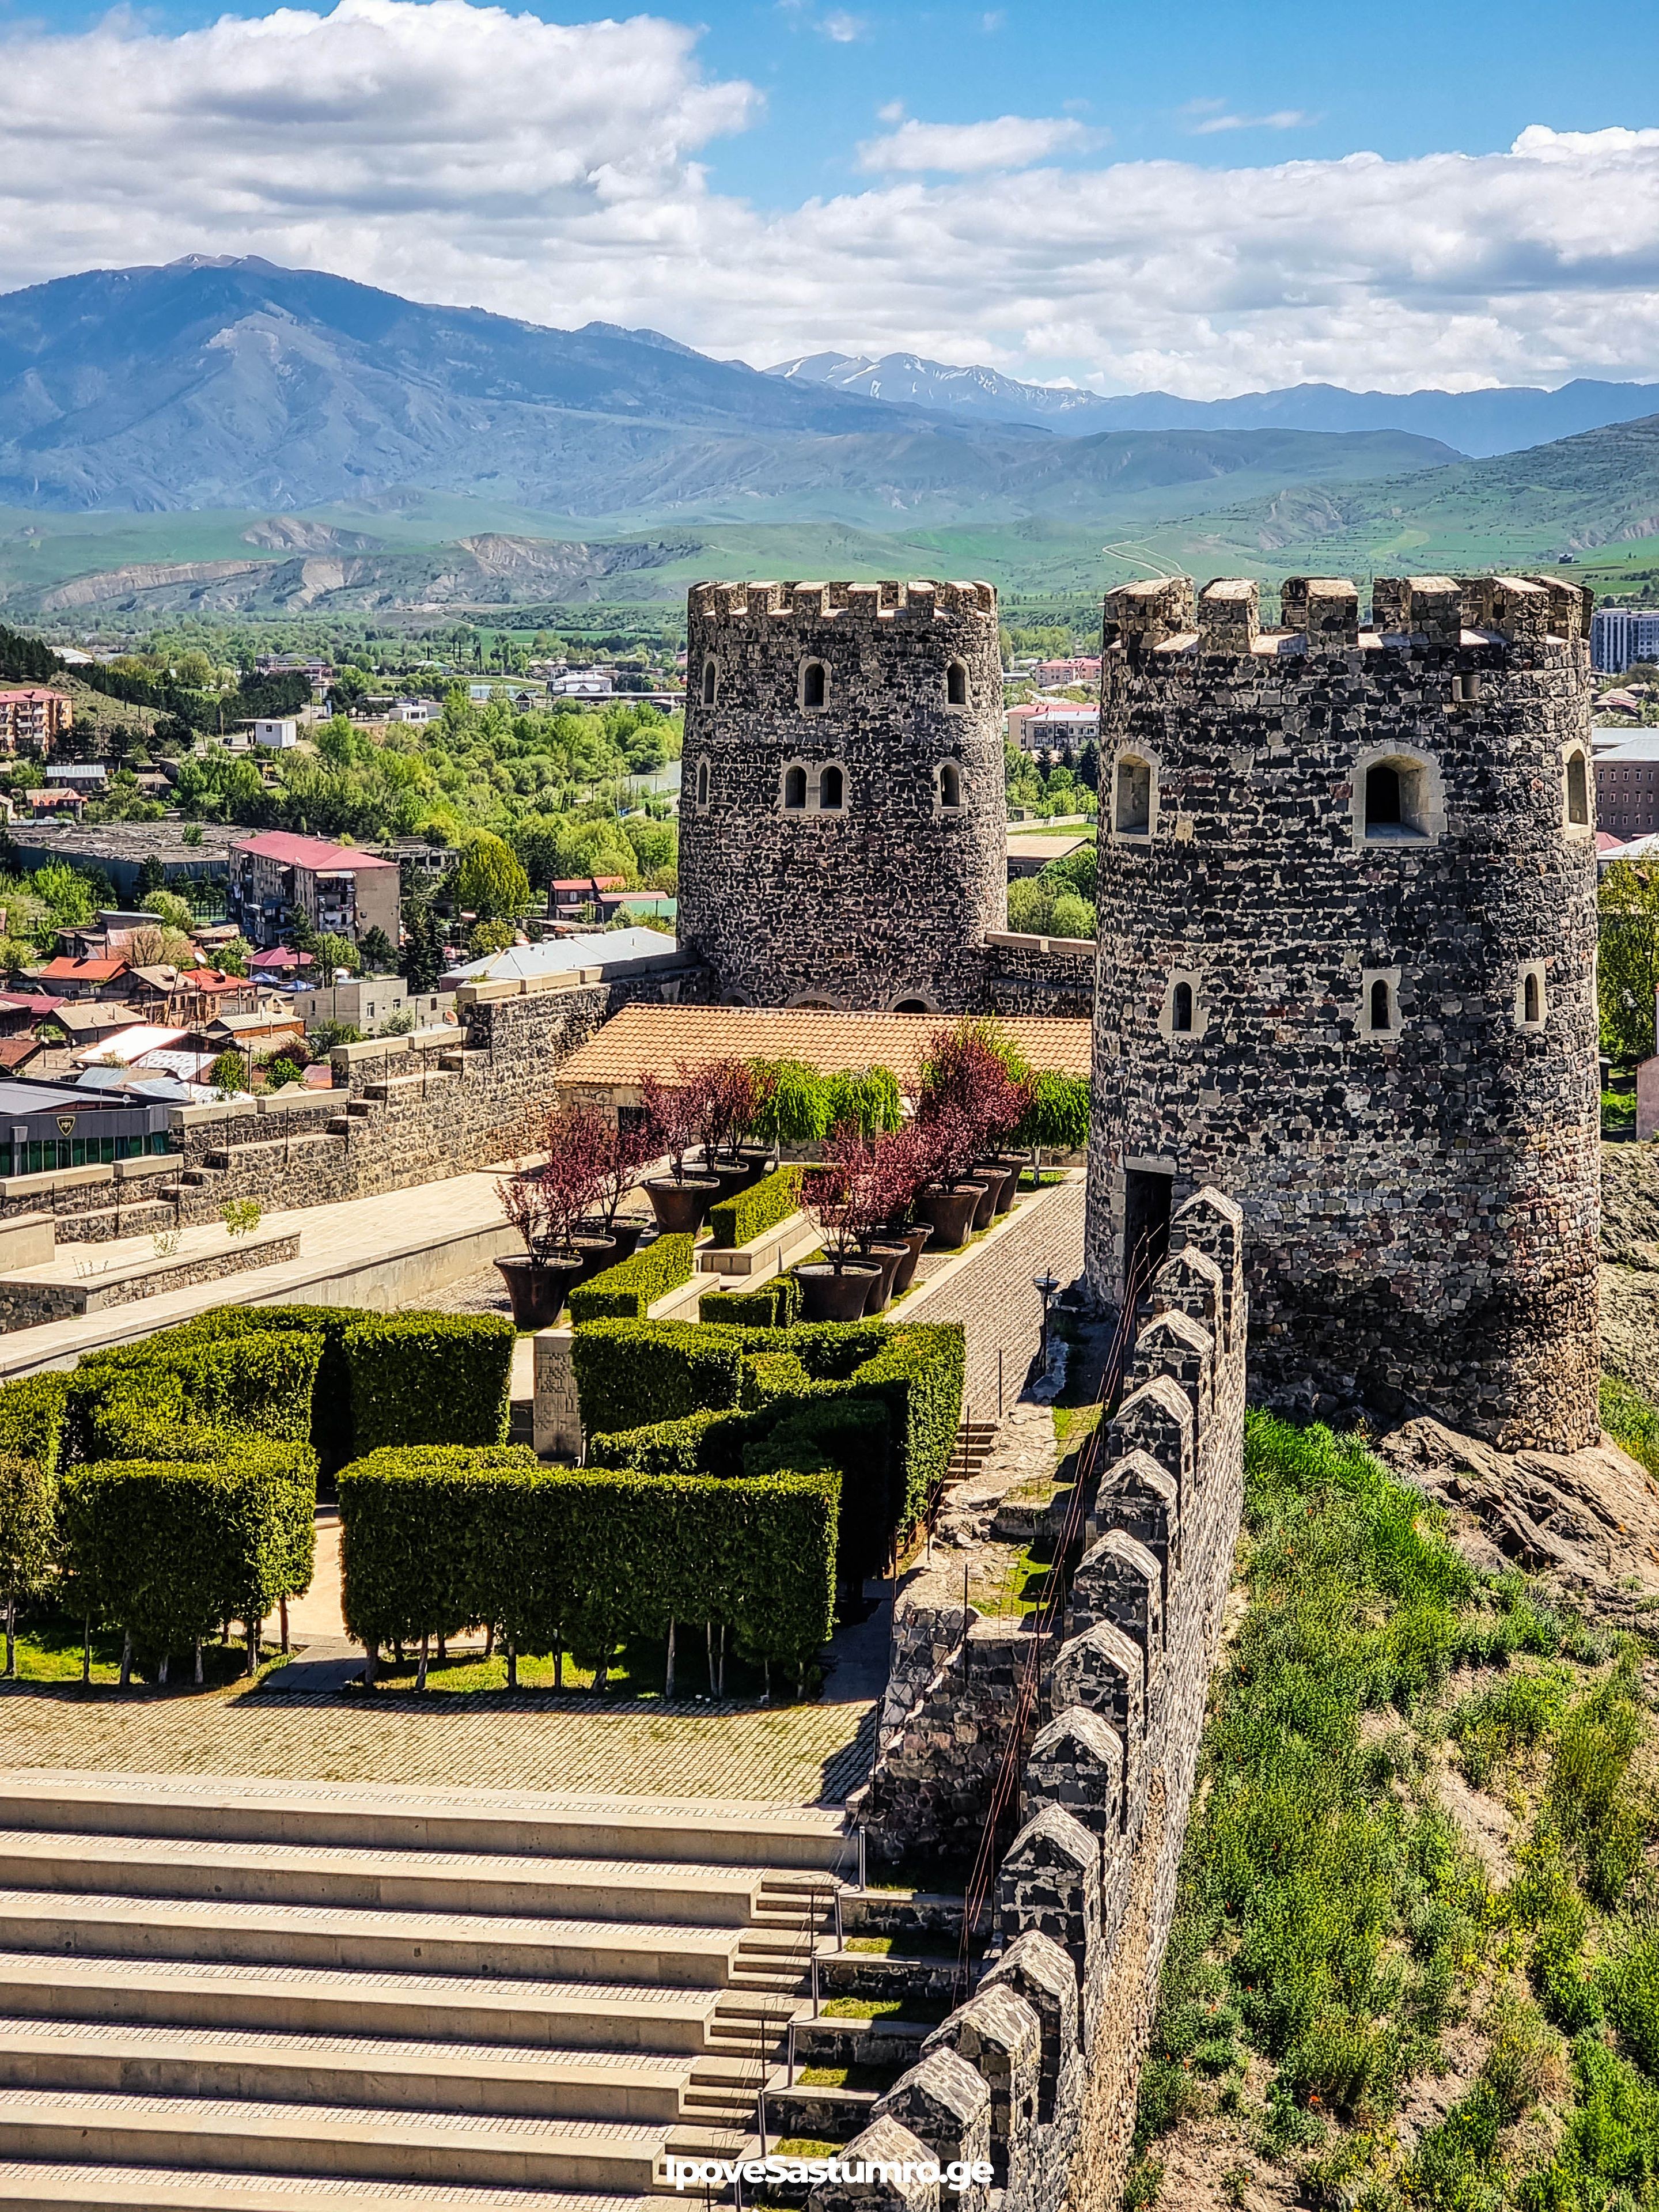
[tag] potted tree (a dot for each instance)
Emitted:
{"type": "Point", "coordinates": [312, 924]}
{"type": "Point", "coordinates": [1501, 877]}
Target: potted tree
{"type": "Point", "coordinates": [845, 1202]}
{"type": "Point", "coordinates": [544, 1204]}
{"type": "Point", "coordinates": [623, 1151]}
{"type": "Point", "coordinates": [673, 1114]}
{"type": "Point", "coordinates": [965, 1081]}
{"type": "Point", "coordinates": [907, 1163]}
{"type": "Point", "coordinates": [725, 1092]}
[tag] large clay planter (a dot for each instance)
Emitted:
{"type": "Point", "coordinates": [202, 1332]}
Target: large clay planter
{"type": "Point", "coordinates": [625, 1232]}
{"type": "Point", "coordinates": [680, 1207]}
{"type": "Point", "coordinates": [913, 1240]}
{"type": "Point", "coordinates": [539, 1294]}
{"type": "Point", "coordinates": [597, 1253]}
{"type": "Point", "coordinates": [1014, 1165]}
{"type": "Point", "coordinates": [827, 1295]}
{"type": "Point", "coordinates": [887, 1258]}
{"type": "Point", "coordinates": [950, 1212]}
{"type": "Point", "coordinates": [991, 1178]}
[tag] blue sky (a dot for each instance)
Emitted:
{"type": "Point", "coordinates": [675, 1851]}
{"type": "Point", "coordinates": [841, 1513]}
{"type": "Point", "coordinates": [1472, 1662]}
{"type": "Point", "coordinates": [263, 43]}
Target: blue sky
{"type": "Point", "coordinates": [1109, 195]}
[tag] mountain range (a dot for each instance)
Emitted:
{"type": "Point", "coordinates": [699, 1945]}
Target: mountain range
{"type": "Point", "coordinates": [225, 435]}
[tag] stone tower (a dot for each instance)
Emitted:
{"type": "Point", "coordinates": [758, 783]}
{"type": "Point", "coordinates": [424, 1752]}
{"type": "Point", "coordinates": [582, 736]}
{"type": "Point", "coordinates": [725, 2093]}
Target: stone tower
{"type": "Point", "coordinates": [1348, 941]}
{"type": "Point", "coordinates": [841, 815]}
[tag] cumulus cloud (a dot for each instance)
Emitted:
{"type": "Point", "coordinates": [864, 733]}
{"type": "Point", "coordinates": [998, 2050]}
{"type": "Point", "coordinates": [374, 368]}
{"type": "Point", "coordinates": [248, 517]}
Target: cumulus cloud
{"type": "Point", "coordinates": [1282, 119]}
{"type": "Point", "coordinates": [379, 141]}
{"type": "Point", "coordinates": [1010, 142]}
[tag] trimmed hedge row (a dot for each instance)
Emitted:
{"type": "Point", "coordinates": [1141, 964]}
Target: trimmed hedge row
{"type": "Point", "coordinates": [773, 1305]}
{"type": "Point", "coordinates": [168, 1549]}
{"type": "Point", "coordinates": [436, 1540]}
{"type": "Point", "coordinates": [31, 1420]}
{"type": "Point", "coordinates": [625, 1291]}
{"type": "Point", "coordinates": [733, 1221]}
{"type": "Point", "coordinates": [130, 1403]}
{"type": "Point", "coordinates": [422, 1378]}
{"type": "Point", "coordinates": [632, 1373]}
{"type": "Point", "coordinates": [331, 1404]}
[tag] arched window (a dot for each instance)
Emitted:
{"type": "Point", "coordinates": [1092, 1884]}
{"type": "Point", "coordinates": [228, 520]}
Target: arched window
{"type": "Point", "coordinates": [794, 789]}
{"type": "Point", "coordinates": [1132, 812]}
{"type": "Point", "coordinates": [710, 680]}
{"type": "Point", "coordinates": [1181, 1010]}
{"type": "Point", "coordinates": [1531, 1001]}
{"type": "Point", "coordinates": [703, 783]}
{"type": "Point", "coordinates": [1578, 812]}
{"type": "Point", "coordinates": [831, 791]}
{"type": "Point", "coordinates": [955, 686]}
{"type": "Point", "coordinates": [913, 1007]}
{"type": "Point", "coordinates": [814, 686]}
{"type": "Point", "coordinates": [1381, 1011]}
{"type": "Point", "coordinates": [950, 784]}
{"type": "Point", "coordinates": [1383, 798]}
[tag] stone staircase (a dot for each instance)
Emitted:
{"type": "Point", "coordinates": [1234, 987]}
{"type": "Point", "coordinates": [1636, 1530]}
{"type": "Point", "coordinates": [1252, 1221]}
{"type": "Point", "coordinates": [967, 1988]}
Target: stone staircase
{"type": "Point", "coordinates": [260, 1994]}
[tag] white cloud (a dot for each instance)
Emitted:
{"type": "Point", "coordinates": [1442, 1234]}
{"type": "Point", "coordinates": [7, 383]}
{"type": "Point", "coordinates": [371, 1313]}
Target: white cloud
{"type": "Point", "coordinates": [842, 28]}
{"type": "Point", "coordinates": [1282, 119]}
{"type": "Point", "coordinates": [557, 172]}
{"type": "Point", "coordinates": [1010, 142]}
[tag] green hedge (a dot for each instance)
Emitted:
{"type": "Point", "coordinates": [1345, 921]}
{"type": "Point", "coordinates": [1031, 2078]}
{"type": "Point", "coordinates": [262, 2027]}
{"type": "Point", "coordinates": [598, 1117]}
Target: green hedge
{"type": "Point", "coordinates": [424, 1378]}
{"type": "Point", "coordinates": [168, 1549]}
{"type": "Point", "coordinates": [126, 1402]}
{"type": "Point", "coordinates": [754, 1211]}
{"type": "Point", "coordinates": [623, 1293]}
{"type": "Point", "coordinates": [581, 1557]}
{"type": "Point", "coordinates": [630, 1374]}
{"type": "Point", "coordinates": [31, 1419]}
{"type": "Point", "coordinates": [774, 1305]}
{"type": "Point", "coordinates": [330, 1405]}
{"type": "Point", "coordinates": [851, 1435]}
{"type": "Point", "coordinates": [918, 1376]}
{"type": "Point", "coordinates": [770, 1376]}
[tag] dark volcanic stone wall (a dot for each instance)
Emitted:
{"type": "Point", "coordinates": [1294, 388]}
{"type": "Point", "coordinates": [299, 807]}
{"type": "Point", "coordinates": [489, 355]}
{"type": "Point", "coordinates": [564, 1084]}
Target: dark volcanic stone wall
{"type": "Point", "coordinates": [1421, 1204]}
{"type": "Point", "coordinates": [888, 899]}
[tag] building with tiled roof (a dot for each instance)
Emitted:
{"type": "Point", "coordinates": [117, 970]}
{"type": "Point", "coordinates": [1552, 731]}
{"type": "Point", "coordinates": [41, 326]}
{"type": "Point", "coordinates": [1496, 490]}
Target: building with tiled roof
{"type": "Point", "coordinates": [338, 889]}
{"type": "Point", "coordinates": [654, 1040]}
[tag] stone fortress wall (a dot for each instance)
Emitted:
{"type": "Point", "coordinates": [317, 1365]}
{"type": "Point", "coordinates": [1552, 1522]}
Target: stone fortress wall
{"type": "Point", "coordinates": [842, 821]}
{"type": "Point", "coordinates": [1037, 2070]}
{"type": "Point", "coordinates": [1348, 941]}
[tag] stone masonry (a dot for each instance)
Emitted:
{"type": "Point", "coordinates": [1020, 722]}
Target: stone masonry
{"type": "Point", "coordinates": [1347, 940]}
{"type": "Point", "coordinates": [1057, 2025]}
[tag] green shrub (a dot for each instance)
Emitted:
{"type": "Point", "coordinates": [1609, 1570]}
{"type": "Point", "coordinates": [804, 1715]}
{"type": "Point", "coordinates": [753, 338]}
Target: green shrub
{"type": "Point", "coordinates": [917, 1374]}
{"type": "Point", "coordinates": [624, 1292]}
{"type": "Point", "coordinates": [31, 1419]}
{"type": "Point", "coordinates": [632, 1374]}
{"type": "Point", "coordinates": [259, 1383]}
{"type": "Point", "coordinates": [866, 1099]}
{"type": "Point", "coordinates": [1608, 2153]}
{"type": "Point", "coordinates": [734, 1221]}
{"type": "Point", "coordinates": [1589, 1798]}
{"type": "Point", "coordinates": [1057, 1119]}
{"type": "Point", "coordinates": [1515, 1715]}
{"type": "Point", "coordinates": [664, 1447]}
{"type": "Point", "coordinates": [430, 1378]}
{"type": "Point", "coordinates": [774, 1305]}
{"type": "Point", "coordinates": [1631, 1420]}
{"type": "Point", "coordinates": [794, 1109]}
{"type": "Point", "coordinates": [331, 1404]}
{"type": "Point", "coordinates": [770, 1376]}
{"type": "Point", "coordinates": [166, 1549]}
{"type": "Point", "coordinates": [850, 1435]}
{"type": "Point", "coordinates": [584, 1556]}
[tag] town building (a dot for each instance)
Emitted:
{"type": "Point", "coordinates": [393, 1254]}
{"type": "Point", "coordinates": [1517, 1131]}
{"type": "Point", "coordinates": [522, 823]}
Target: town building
{"type": "Point", "coordinates": [1627, 785]}
{"type": "Point", "coordinates": [279, 732]}
{"type": "Point", "coordinates": [1041, 726]}
{"type": "Point", "coordinates": [33, 717]}
{"type": "Point", "coordinates": [47, 1127]}
{"type": "Point", "coordinates": [185, 852]}
{"type": "Point", "coordinates": [1620, 636]}
{"type": "Point", "coordinates": [338, 889]}
{"type": "Point", "coordinates": [367, 1001]}
{"type": "Point", "coordinates": [567, 896]}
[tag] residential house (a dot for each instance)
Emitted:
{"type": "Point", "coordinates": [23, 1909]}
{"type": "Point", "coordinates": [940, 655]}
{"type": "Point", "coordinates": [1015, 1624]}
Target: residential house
{"type": "Point", "coordinates": [567, 895]}
{"type": "Point", "coordinates": [190, 995]}
{"type": "Point", "coordinates": [50, 806]}
{"type": "Point", "coordinates": [82, 979]}
{"type": "Point", "coordinates": [20, 1010]}
{"type": "Point", "coordinates": [278, 732]}
{"type": "Point", "coordinates": [277, 876]}
{"type": "Point", "coordinates": [33, 717]}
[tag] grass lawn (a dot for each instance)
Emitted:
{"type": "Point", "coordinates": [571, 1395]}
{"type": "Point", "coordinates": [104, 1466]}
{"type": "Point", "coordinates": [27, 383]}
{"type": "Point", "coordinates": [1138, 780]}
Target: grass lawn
{"type": "Point", "coordinates": [49, 1652]}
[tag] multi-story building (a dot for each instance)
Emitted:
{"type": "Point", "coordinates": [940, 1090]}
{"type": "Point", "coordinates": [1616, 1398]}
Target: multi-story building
{"type": "Point", "coordinates": [32, 719]}
{"type": "Point", "coordinates": [337, 888]}
{"type": "Point", "coordinates": [1627, 785]}
{"type": "Point", "coordinates": [1622, 636]}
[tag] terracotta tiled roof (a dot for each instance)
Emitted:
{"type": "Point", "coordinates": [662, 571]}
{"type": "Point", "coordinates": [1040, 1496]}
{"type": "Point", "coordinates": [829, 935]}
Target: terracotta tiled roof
{"type": "Point", "coordinates": [644, 1039]}
{"type": "Point", "coordinates": [313, 852]}
{"type": "Point", "coordinates": [65, 971]}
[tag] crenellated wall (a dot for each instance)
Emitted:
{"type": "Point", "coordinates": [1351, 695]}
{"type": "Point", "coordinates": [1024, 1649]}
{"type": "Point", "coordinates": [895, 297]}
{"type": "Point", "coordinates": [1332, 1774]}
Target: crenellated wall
{"type": "Point", "coordinates": [1040, 2065]}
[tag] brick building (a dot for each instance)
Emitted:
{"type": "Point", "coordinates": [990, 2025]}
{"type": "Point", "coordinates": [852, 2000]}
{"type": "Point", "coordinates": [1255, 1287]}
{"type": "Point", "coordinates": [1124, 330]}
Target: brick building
{"type": "Point", "coordinates": [1627, 785]}
{"type": "Point", "coordinates": [33, 717]}
{"type": "Point", "coordinates": [337, 888]}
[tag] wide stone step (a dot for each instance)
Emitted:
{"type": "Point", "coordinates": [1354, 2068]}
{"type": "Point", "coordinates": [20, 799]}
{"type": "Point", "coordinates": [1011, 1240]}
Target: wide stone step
{"type": "Point", "coordinates": [542, 1825]}
{"type": "Point", "coordinates": [133, 2060]}
{"type": "Point", "coordinates": [394, 1881]}
{"type": "Point", "coordinates": [211, 2133]}
{"type": "Point", "coordinates": [302, 1936]}
{"type": "Point", "coordinates": [26, 2186]}
{"type": "Point", "coordinates": [423, 2007]}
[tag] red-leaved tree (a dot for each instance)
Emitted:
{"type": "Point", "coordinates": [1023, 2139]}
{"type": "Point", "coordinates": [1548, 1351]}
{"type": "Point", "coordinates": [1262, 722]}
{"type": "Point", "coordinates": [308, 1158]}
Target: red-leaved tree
{"type": "Point", "coordinates": [847, 1197]}
{"type": "Point", "coordinates": [544, 1203]}
{"type": "Point", "coordinates": [968, 1098]}
{"type": "Point", "coordinates": [671, 1119]}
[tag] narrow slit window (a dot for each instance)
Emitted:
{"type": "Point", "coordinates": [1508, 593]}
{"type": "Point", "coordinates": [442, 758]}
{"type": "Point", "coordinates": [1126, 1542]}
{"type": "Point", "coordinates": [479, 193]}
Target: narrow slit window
{"type": "Point", "coordinates": [1382, 1010]}
{"type": "Point", "coordinates": [710, 681]}
{"type": "Point", "coordinates": [955, 686]}
{"type": "Point", "coordinates": [703, 783]}
{"type": "Point", "coordinates": [831, 791]}
{"type": "Point", "coordinates": [1531, 1001]}
{"type": "Point", "coordinates": [1181, 1010]}
{"type": "Point", "coordinates": [1578, 792]}
{"type": "Point", "coordinates": [814, 685]}
{"type": "Point", "coordinates": [950, 785]}
{"type": "Point", "coordinates": [794, 789]}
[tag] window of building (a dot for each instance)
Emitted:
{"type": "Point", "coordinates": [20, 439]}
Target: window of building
{"type": "Point", "coordinates": [710, 680]}
{"type": "Point", "coordinates": [1382, 1013]}
{"type": "Point", "coordinates": [1531, 1006]}
{"type": "Point", "coordinates": [1132, 794]}
{"type": "Point", "coordinates": [1180, 1009]}
{"type": "Point", "coordinates": [832, 787]}
{"type": "Point", "coordinates": [794, 789]}
{"type": "Point", "coordinates": [1183, 1012]}
{"type": "Point", "coordinates": [913, 1007]}
{"type": "Point", "coordinates": [1530, 1002]}
{"type": "Point", "coordinates": [955, 686]}
{"type": "Point", "coordinates": [814, 686]}
{"type": "Point", "coordinates": [1578, 791]}
{"type": "Point", "coordinates": [703, 783]}
{"type": "Point", "coordinates": [1397, 799]}
{"type": "Point", "coordinates": [1379, 1003]}
{"type": "Point", "coordinates": [950, 784]}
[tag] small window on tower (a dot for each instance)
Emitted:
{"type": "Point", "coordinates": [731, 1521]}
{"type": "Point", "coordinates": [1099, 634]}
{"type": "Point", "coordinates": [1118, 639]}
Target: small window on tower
{"type": "Point", "coordinates": [1529, 1013]}
{"type": "Point", "coordinates": [1531, 1001]}
{"type": "Point", "coordinates": [950, 785]}
{"type": "Point", "coordinates": [1181, 1010]}
{"type": "Point", "coordinates": [1578, 813]}
{"type": "Point", "coordinates": [831, 791]}
{"type": "Point", "coordinates": [1132, 811]}
{"type": "Point", "coordinates": [1396, 800]}
{"type": "Point", "coordinates": [814, 686]}
{"type": "Point", "coordinates": [703, 783]}
{"type": "Point", "coordinates": [955, 686]}
{"type": "Point", "coordinates": [710, 680]}
{"type": "Point", "coordinates": [794, 789]}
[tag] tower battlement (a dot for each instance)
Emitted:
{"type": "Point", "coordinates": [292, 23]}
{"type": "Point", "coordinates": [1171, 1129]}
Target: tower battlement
{"type": "Point", "coordinates": [1322, 614]}
{"type": "Point", "coordinates": [891, 600]}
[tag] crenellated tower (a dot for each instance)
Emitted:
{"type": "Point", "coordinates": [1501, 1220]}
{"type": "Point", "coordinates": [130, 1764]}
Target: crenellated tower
{"type": "Point", "coordinates": [1347, 944]}
{"type": "Point", "coordinates": [841, 812]}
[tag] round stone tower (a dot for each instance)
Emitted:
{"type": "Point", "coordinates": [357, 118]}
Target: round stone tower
{"type": "Point", "coordinates": [842, 816]}
{"type": "Point", "coordinates": [1347, 942]}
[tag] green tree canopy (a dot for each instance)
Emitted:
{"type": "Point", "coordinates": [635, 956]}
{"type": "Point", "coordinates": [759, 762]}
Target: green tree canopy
{"type": "Point", "coordinates": [1627, 972]}
{"type": "Point", "coordinates": [490, 882]}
